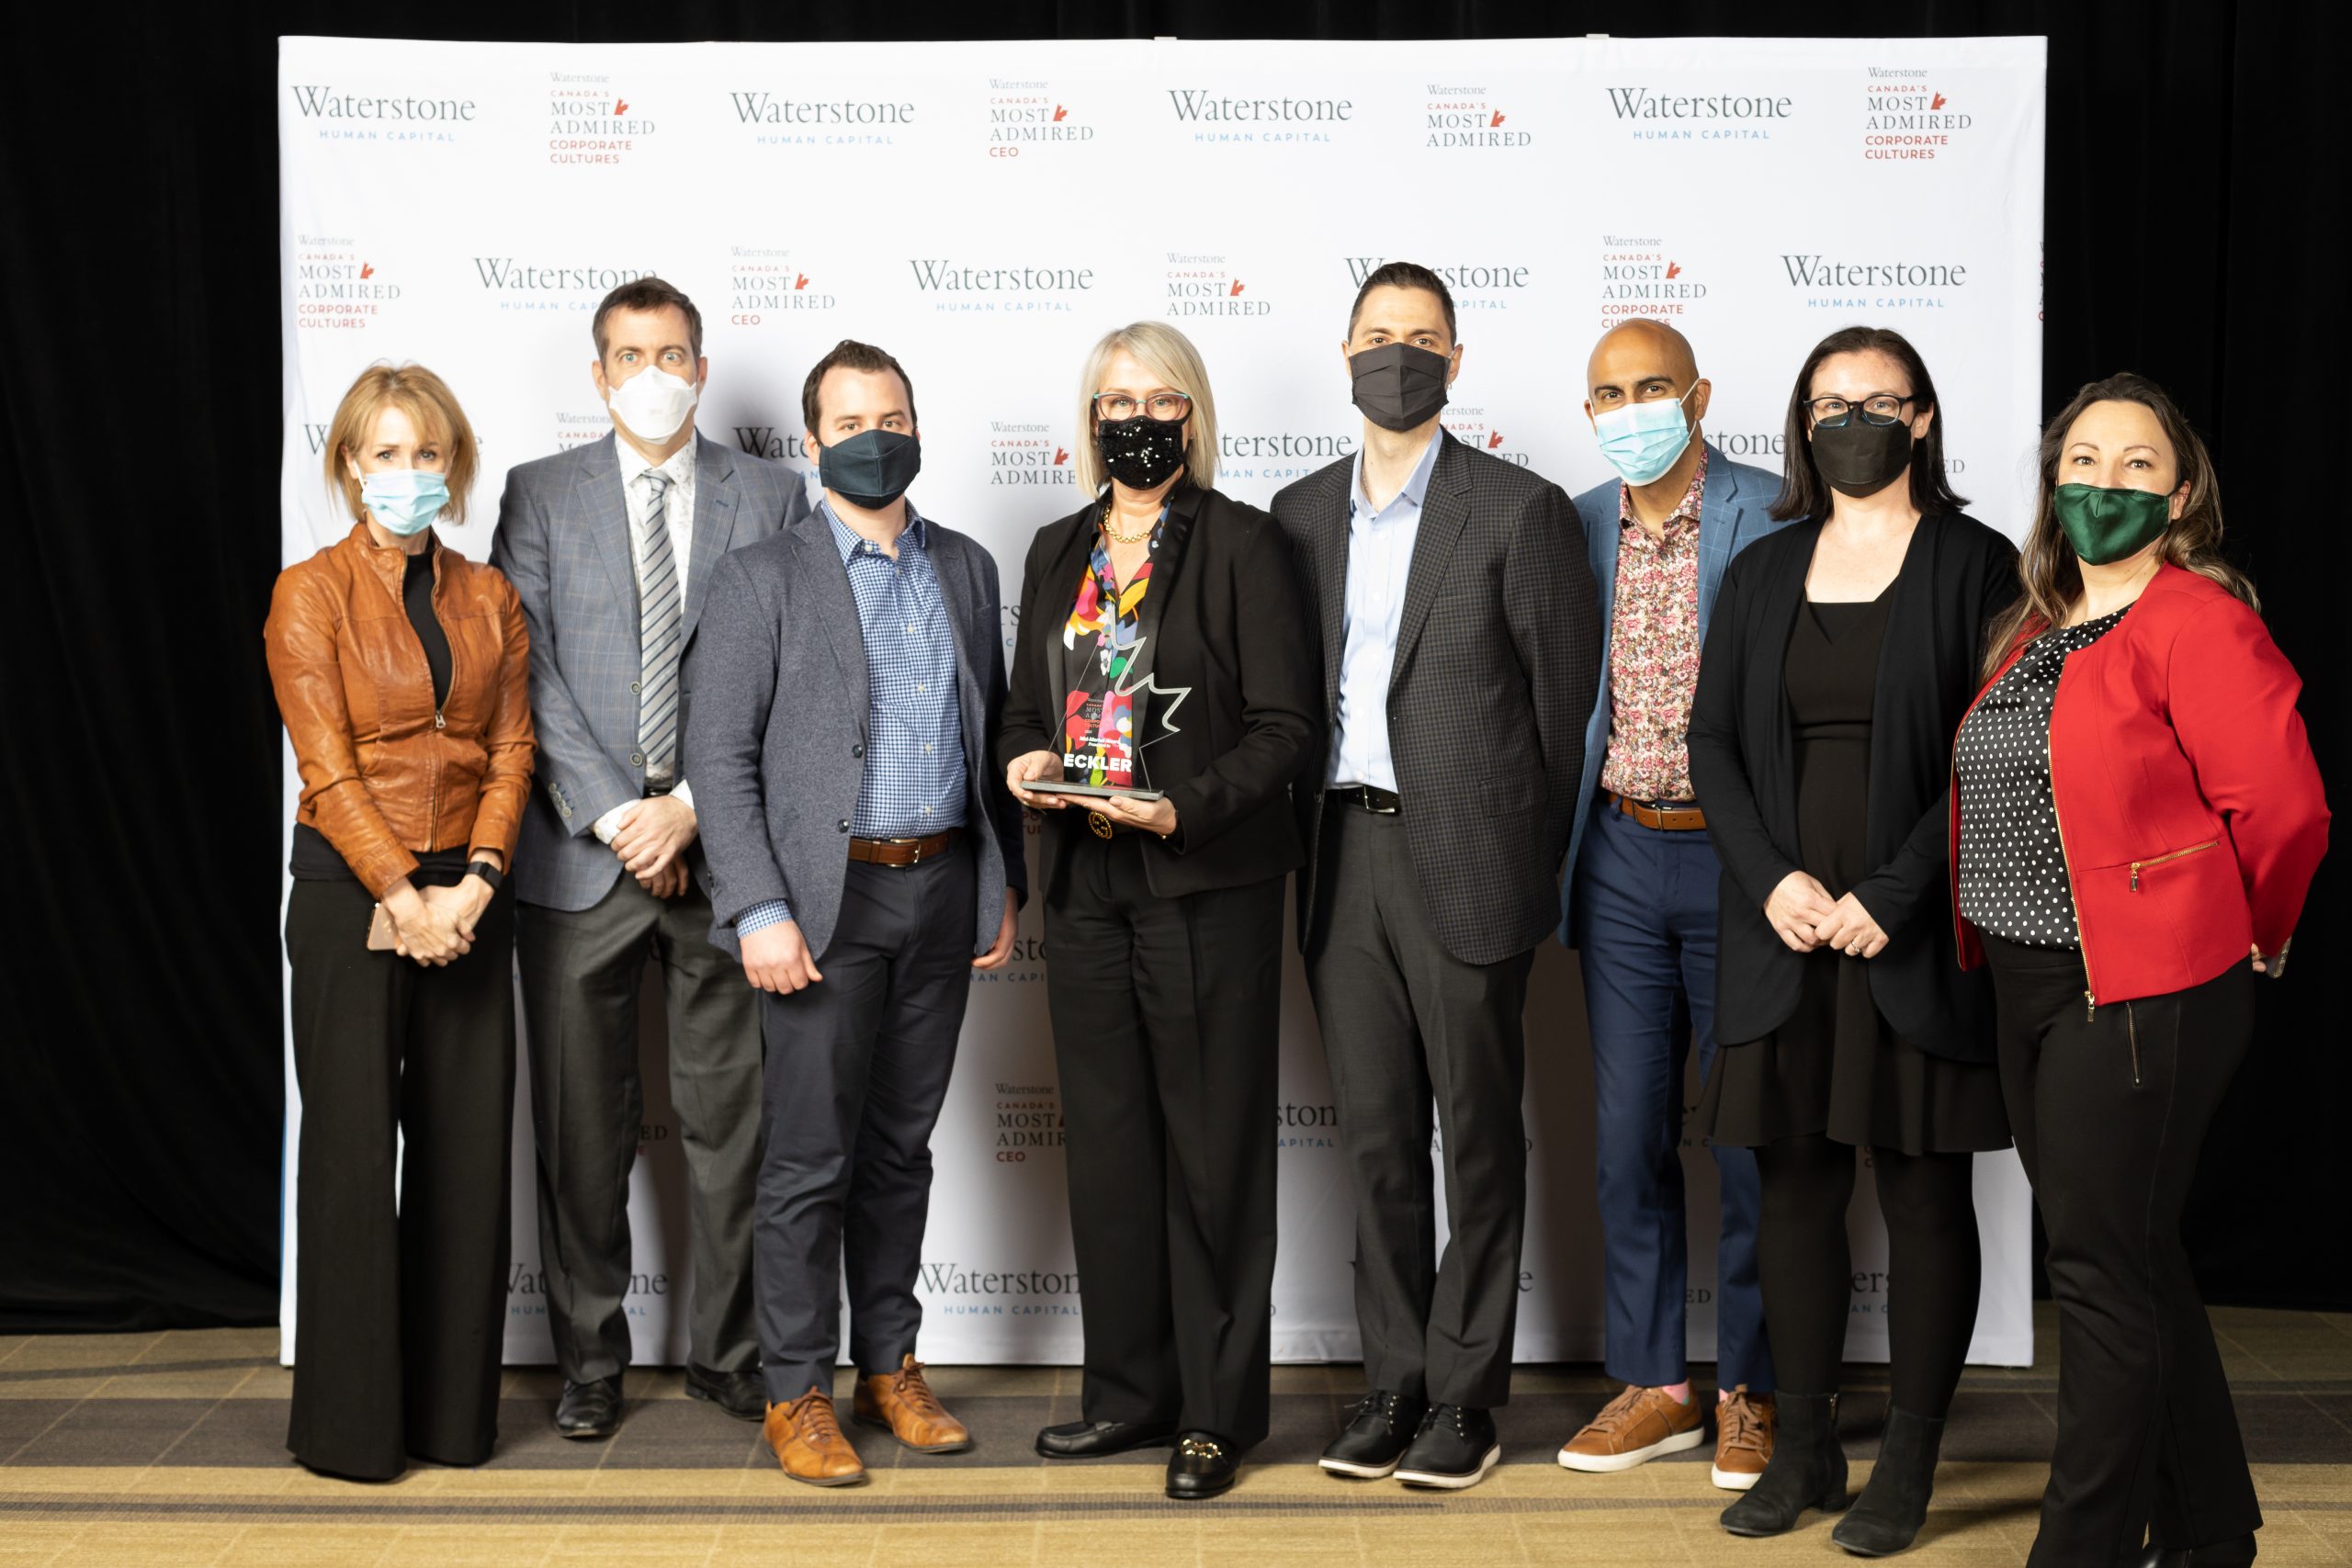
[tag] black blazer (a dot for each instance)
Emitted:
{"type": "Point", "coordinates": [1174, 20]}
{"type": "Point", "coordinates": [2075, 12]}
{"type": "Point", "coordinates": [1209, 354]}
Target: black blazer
{"type": "Point", "coordinates": [1497, 660]}
{"type": "Point", "coordinates": [1231, 629]}
{"type": "Point", "coordinates": [1957, 575]}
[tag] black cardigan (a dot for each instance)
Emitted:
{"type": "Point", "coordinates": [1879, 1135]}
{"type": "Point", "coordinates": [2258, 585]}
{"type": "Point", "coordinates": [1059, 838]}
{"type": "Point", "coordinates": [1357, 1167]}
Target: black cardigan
{"type": "Point", "coordinates": [1233, 628]}
{"type": "Point", "coordinates": [1958, 574]}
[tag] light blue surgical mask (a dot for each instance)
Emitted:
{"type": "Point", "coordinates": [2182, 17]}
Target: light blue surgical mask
{"type": "Point", "coordinates": [1643, 440]}
{"type": "Point", "coordinates": [404, 500]}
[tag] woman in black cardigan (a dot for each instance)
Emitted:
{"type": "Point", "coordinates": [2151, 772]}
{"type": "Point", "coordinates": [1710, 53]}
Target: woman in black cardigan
{"type": "Point", "coordinates": [1163, 646]}
{"type": "Point", "coordinates": [1841, 655]}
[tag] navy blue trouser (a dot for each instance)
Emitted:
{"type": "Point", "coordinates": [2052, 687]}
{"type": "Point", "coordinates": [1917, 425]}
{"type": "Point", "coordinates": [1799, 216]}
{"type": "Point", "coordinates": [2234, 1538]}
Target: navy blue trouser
{"type": "Point", "coordinates": [1642, 917]}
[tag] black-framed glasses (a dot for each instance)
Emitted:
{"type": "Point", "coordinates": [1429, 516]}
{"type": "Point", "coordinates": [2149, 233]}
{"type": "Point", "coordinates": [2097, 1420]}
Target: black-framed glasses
{"type": "Point", "coordinates": [1111, 407]}
{"type": "Point", "coordinates": [1879, 407]}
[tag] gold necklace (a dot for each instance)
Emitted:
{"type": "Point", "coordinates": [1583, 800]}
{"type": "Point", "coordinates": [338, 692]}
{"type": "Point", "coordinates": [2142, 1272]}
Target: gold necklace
{"type": "Point", "coordinates": [1118, 538]}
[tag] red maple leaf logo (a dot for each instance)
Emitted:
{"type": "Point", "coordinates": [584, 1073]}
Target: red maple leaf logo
{"type": "Point", "coordinates": [1498, 119]}
{"type": "Point", "coordinates": [800, 280]}
{"type": "Point", "coordinates": [1494, 439]}
{"type": "Point", "coordinates": [1059, 113]}
{"type": "Point", "coordinates": [1939, 103]}
{"type": "Point", "coordinates": [620, 105]}
{"type": "Point", "coordinates": [1062, 456]}
{"type": "Point", "coordinates": [367, 269]}
{"type": "Point", "coordinates": [1674, 269]}
{"type": "Point", "coordinates": [1235, 290]}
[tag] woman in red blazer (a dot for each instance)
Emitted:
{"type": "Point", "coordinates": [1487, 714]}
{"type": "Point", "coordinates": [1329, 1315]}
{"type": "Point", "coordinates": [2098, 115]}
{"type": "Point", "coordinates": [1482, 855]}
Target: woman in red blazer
{"type": "Point", "coordinates": [2135, 821]}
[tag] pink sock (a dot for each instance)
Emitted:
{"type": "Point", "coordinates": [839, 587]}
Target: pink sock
{"type": "Point", "coordinates": [1681, 1392]}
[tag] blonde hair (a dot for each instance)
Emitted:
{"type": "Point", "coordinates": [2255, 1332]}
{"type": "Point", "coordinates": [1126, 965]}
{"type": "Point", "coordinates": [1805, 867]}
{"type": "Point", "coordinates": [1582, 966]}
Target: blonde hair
{"type": "Point", "coordinates": [431, 407]}
{"type": "Point", "coordinates": [1169, 355]}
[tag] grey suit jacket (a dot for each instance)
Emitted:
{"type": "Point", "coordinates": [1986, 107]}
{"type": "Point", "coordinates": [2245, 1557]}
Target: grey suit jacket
{"type": "Point", "coordinates": [563, 541]}
{"type": "Point", "coordinates": [777, 743]}
{"type": "Point", "coordinates": [1498, 656]}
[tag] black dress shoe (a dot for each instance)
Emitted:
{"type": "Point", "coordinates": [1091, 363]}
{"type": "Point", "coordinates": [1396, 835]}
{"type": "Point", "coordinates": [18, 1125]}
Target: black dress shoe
{"type": "Point", "coordinates": [590, 1409]}
{"type": "Point", "coordinates": [2235, 1553]}
{"type": "Point", "coordinates": [1377, 1436]}
{"type": "Point", "coordinates": [742, 1395]}
{"type": "Point", "coordinates": [1091, 1440]}
{"type": "Point", "coordinates": [1201, 1467]}
{"type": "Point", "coordinates": [1454, 1447]}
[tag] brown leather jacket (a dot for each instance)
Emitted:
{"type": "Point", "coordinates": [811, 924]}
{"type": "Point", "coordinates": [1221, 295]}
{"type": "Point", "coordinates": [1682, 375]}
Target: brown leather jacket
{"type": "Point", "coordinates": [385, 776]}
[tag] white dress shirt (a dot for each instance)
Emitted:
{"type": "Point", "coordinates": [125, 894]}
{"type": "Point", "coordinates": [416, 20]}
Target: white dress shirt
{"type": "Point", "coordinates": [1380, 557]}
{"type": "Point", "coordinates": [679, 469]}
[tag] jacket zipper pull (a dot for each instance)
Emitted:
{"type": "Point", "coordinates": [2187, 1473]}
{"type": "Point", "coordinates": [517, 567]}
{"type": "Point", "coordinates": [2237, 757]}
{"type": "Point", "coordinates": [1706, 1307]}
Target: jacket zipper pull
{"type": "Point", "coordinates": [439, 721]}
{"type": "Point", "coordinates": [2135, 875]}
{"type": "Point", "coordinates": [2090, 1008]}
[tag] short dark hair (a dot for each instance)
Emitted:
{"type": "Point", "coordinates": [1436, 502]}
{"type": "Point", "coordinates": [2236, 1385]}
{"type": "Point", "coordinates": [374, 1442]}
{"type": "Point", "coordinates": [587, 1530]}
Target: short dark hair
{"type": "Point", "coordinates": [1804, 492]}
{"type": "Point", "coordinates": [646, 293]}
{"type": "Point", "coordinates": [1403, 275]}
{"type": "Point", "coordinates": [851, 355]}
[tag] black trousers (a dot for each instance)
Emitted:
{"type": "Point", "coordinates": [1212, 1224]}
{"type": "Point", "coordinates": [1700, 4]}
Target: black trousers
{"type": "Point", "coordinates": [1166, 1015]}
{"type": "Point", "coordinates": [400, 1296]}
{"type": "Point", "coordinates": [857, 1069]}
{"type": "Point", "coordinates": [2148, 1442]}
{"type": "Point", "coordinates": [1405, 1024]}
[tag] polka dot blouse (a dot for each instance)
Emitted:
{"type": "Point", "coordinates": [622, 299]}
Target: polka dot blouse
{"type": "Point", "coordinates": [2012, 867]}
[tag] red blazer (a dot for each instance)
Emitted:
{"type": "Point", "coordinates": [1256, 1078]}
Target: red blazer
{"type": "Point", "coordinates": [2190, 807]}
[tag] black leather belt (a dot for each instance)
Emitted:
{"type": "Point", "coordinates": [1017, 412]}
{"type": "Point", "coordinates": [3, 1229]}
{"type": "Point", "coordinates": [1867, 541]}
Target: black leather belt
{"type": "Point", "coordinates": [1365, 797]}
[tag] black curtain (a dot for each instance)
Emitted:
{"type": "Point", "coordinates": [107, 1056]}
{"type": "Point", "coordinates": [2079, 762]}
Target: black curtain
{"type": "Point", "coordinates": [2192, 180]}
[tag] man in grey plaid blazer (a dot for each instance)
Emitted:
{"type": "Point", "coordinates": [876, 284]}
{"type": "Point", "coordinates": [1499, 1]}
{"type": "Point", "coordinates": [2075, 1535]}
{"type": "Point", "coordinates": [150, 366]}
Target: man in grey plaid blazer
{"type": "Point", "coordinates": [1461, 650]}
{"type": "Point", "coordinates": [611, 548]}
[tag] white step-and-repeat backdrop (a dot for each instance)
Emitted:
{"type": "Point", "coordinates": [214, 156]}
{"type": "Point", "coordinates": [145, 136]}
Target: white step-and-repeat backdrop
{"type": "Point", "coordinates": [985, 210]}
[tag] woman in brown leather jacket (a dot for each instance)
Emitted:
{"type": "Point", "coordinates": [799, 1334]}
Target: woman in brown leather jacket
{"type": "Point", "coordinates": [401, 670]}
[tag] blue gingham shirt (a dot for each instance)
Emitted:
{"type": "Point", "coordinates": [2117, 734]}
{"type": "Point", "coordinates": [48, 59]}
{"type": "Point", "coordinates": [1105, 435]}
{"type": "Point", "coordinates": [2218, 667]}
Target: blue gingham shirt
{"type": "Point", "coordinates": [915, 782]}
{"type": "Point", "coordinates": [1380, 557]}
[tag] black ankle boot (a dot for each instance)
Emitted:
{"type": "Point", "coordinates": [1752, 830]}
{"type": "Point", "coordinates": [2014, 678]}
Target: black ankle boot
{"type": "Point", "coordinates": [2235, 1553]}
{"type": "Point", "coordinates": [1807, 1469]}
{"type": "Point", "coordinates": [1894, 1503]}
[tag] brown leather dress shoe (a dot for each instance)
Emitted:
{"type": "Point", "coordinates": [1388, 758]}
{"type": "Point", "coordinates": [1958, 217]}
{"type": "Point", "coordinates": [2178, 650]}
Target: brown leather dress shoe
{"type": "Point", "coordinates": [902, 1403]}
{"type": "Point", "coordinates": [809, 1443]}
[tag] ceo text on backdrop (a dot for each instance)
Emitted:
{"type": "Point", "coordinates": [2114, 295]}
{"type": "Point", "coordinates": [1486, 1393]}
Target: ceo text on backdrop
{"type": "Point", "coordinates": [612, 546]}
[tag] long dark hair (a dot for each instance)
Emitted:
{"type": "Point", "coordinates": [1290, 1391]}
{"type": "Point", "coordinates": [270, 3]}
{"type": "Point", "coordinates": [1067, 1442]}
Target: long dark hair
{"type": "Point", "coordinates": [1804, 494]}
{"type": "Point", "coordinates": [2054, 576]}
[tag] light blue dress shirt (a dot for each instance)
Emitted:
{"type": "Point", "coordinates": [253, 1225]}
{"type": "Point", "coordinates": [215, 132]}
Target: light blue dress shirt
{"type": "Point", "coordinates": [1380, 557]}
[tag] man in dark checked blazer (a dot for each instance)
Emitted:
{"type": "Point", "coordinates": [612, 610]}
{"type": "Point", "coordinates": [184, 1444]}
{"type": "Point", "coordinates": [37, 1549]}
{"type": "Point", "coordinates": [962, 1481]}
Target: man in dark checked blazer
{"type": "Point", "coordinates": [613, 548]}
{"type": "Point", "coordinates": [1460, 649]}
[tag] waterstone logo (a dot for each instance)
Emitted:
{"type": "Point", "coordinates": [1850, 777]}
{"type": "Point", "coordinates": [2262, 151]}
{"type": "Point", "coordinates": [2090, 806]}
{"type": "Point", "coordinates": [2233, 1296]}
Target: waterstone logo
{"type": "Point", "coordinates": [1649, 115]}
{"type": "Point", "coordinates": [1028, 113]}
{"type": "Point", "coordinates": [777, 445]}
{"type": "Point", "coordinates": [1022, 454]}
{"type": "Point", "coordinates": [335, 288]}
{"type": "Point", "coordinates": [1640, 277]}
{"type": "Point", "coordinates": [1198, 284]}
{"type": "Point", "coordinates": [1476, 285]}
{"type": "Point", "coordinates": [526, 1291]}
{"type": "Point", "coordinates": [965, 289]}
{"type": "Point", "coordinates": [1307, 1126]}
{"type": "Point", "coordinates": [1906, 120]}
{"type": "Point", "coordinates": [588, 123]}
{"type": "Point", "coordinates": [1217, 117]}
{"type": "Point", "coordinates": [767, 287]}
{"type": "Point", "coordinates": [1873, 285]}
{"type": "Point", "coordinates": [524, 286]}
{"type": "Point", "coordinates": [1464, 119]}
{"type": "Point", "coordinates": [1028, 1117]}
{"type": "Point", "coordinates": [1471, 427]}
{"type": "Point", "coordinates": [1278, 456]}
{"type": "Point", "coordinates": [344, 116]}
{"type": "Point", "coordinates": [1765, 448]}
{"type": "Point", "coordinates": [779, 120]}
{"type": "Point", "coordinates": [1015, 1293]}
{"type": "Point", "coordinates": [580, 429]}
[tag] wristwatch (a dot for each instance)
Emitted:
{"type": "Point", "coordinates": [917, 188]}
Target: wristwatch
{"type": "Point", "coordinates": [487, 872]}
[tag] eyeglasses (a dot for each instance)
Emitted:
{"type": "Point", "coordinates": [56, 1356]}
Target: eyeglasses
{"type": "Point", "coordinates": [1115, 406]}
{"type": "Point", "coordinates": [1879, 407]}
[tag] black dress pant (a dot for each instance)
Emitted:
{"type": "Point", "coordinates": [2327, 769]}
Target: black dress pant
{"type": "Point", "coordinates": [400, 1296]}
{"type": "Point", "coordinates": [1166, 1015]}
{"type": "Point", "coordinates": [2148, 1442]}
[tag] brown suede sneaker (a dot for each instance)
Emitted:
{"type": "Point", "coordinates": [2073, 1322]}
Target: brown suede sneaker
{"type": "Point", "coordinates": [1743, 1438]}
{"type": "Point", "coordinates": [902, 1404]}
{"type": "Point", "coordinates": [809, 1443]}
{"type": "Point", "coordinates": [1633, 1429]}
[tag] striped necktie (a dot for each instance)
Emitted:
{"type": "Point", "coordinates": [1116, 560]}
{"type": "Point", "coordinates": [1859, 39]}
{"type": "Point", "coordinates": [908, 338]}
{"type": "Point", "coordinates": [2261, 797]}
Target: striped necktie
{"type": "Point", "coordinates": [660, 612]}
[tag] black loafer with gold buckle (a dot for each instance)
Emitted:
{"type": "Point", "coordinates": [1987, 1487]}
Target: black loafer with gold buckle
{"type": "Point", "coordinates": [1201, 1467]}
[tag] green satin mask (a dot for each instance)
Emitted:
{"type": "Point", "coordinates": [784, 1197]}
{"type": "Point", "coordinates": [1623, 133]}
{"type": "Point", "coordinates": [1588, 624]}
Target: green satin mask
{"type": "Point", "coordinates": [2108, 524]}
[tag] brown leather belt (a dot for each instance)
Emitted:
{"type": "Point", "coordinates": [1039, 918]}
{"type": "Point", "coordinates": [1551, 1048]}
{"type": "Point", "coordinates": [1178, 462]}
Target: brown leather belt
{"type": "Point", "coordinates": [1662, 819]}
{"type": "Point", "coordinates": [903, 851]}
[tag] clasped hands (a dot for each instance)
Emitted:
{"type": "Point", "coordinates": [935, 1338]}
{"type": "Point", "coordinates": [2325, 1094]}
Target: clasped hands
{"type": "Point", "coordinates": [433, 925]}
{"type": "Point", "coordinates": [652, 843]}
{"type": "Point", "coordinates": [1805, 917]}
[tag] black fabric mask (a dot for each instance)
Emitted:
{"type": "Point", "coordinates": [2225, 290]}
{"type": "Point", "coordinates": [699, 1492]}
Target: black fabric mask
{"type": "Point", "coordinates": [1142, 451]}
{"type": "Point", "coordinates": [1399, 386]}
{"type": "Point", "coordinates": [870, 469]}
{"type": "Point", "coordinates": [1860, 458]}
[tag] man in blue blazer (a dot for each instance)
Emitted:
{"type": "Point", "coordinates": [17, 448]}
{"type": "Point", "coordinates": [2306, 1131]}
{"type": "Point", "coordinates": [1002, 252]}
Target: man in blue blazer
{"type": "Point", "coordinates": [1638, 904]}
